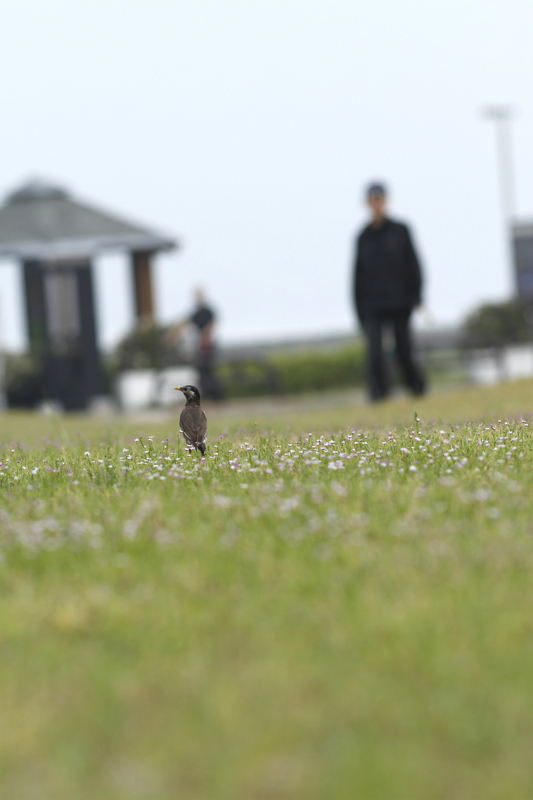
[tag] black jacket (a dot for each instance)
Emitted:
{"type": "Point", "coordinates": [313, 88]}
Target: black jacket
{"type": "Point", "coordinates": [387, 273]}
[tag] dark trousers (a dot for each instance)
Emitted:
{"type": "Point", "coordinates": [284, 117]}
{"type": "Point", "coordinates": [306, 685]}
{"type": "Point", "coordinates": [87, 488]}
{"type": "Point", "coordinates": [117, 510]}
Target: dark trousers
{"type": "Point", "coordinates": [209, 383]}
{"type": "Point", "coordinates": [378, 377]}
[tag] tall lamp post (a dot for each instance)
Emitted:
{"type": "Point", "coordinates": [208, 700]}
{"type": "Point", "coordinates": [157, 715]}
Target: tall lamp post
{"type": "Point", "coordinates": [502, 115]}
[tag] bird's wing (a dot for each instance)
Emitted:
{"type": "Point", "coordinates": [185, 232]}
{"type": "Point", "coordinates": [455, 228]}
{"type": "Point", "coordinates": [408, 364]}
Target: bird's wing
{"type": "Point", "coordinates": [186, 427]}
{"type": "Point", "coordinates": [193, 423]}
{"type": "Point", "coordinates": [201, 429]}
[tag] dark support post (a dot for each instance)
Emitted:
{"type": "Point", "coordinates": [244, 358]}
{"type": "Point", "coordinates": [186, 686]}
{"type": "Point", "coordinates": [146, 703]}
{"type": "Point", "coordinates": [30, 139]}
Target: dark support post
{"type": "Point", "coordinates": [93, 377]}
{"type": "Point", "coordinates": [142, 282]}
{"type": "Point", "coordinates": [36, 317]}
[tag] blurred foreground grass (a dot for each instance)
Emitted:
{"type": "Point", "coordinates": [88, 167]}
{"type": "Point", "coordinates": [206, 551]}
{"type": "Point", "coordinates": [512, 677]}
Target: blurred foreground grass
{"type": "Point", "coordinates": [335, 615]}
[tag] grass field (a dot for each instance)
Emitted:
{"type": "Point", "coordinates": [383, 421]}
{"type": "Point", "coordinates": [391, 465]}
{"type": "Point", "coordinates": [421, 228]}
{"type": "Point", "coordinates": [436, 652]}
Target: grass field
{"type": "Point", "coordinates": [337, 603]}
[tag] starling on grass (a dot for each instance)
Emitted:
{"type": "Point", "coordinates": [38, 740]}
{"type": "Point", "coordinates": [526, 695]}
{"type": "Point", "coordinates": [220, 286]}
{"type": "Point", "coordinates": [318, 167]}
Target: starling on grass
{"type": "Point", "coordinates": [193, 422]}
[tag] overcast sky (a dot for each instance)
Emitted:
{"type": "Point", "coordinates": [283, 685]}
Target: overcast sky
{"type": "Point", "coordinates": [248, 129]}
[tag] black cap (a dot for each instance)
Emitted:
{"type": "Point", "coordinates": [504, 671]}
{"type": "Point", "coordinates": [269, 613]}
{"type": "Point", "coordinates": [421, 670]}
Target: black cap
{"type": "Point", "coordinates": [376, 190]}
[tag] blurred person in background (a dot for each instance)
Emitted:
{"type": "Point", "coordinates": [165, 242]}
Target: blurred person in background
{"type": "Point", "coordinates": [387, 284]}
{"type": "Point", "coordinates": [202, 320]}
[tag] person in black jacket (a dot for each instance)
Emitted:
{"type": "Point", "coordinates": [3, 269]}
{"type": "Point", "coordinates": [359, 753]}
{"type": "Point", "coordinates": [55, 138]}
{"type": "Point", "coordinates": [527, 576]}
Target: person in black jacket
{"type": "Point", "coordinates": [387, 287]}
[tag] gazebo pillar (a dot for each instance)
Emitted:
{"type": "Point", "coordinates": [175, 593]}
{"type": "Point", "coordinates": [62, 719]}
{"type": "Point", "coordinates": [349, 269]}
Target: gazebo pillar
{"type": "Point", "coordinates": [142, 285]}
{"type": "Point", "coordinates": [36, 317]}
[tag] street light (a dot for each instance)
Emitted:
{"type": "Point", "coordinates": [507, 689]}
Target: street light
{"type": "Point", "coordinates": [502, 115]}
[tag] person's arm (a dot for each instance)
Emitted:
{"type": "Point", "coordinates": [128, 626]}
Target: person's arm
{"type": "Point", "coordinates": [414, 273]}
{"type": "Point", "coordinates": [176, 331]}
{"type": "Point", "coordinates": [358, 282]}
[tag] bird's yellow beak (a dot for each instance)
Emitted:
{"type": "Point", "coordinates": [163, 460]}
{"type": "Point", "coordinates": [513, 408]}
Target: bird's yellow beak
{"type": "Point", "coordinates": [177, 388]}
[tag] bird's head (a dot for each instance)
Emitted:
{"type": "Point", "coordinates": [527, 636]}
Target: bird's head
{"type": "Point", "coordinates": [191, 392]}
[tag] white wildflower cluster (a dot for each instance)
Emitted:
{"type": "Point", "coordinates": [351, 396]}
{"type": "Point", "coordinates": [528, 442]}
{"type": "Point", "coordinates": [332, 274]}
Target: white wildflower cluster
{"type": "Point", "coordinates": [48, 533]}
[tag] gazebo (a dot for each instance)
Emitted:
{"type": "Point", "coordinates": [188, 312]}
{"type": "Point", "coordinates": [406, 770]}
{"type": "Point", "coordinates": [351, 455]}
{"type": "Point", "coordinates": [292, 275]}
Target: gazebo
{"type": "Point", "coordinates": [55, 238]}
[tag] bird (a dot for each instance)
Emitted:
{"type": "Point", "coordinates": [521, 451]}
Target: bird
{"type": "Point", "coordinates": [193, 421]}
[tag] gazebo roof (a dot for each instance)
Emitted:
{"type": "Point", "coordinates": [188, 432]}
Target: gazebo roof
{"type": "Point", "coordinates": [43, 222]}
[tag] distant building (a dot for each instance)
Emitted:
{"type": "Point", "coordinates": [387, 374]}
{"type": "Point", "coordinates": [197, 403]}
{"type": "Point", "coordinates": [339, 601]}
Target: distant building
{"type": "Point", "coordinates": [523, 258]}
{"type": "Point", "coordinates": [55, 238]}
